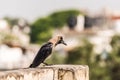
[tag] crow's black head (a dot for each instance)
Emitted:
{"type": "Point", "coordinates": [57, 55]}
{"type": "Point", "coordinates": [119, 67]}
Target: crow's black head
{"type": "Point", "coordinates": [60, 40]}
{"type": "Point", "coordinates": [57, 40]}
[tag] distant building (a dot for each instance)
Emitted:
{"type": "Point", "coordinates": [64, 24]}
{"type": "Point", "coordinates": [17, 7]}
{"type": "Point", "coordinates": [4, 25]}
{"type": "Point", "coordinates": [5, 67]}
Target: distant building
{"type": "Point", "coordinates": [80, 23]}
{"type": "Point", "coordinates": [115, 20]}
{"type": "Point", "coordinates": [72, 21]}
{"type": "Point", "coordinates": [85, 22]}
{"type": "Point", "coordinates": [95, 21]}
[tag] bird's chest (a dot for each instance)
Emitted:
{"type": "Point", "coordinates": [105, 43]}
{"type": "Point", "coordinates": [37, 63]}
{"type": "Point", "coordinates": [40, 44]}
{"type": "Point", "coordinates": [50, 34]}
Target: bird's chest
{"type": "Point", "coordinates": [48, 52]}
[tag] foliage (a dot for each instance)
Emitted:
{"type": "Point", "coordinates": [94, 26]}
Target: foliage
{"type": "Point", "coordinates": [111, 68]}
{"type": "Point", "coordinates": [115, 58]}
{"type": "Point", "coordinates": [41, 31]}
{"type": "Point", "coordinates": [11, 21]}
{"type": "Point", "coordinates": [42, 28]}
{"type": "Point", "coordinates": [59, 19]}
{"type": "Point", "coordinates": [84, 55]}
{"type": "Point", "coordinates": [8, 38]}
{"type": "Point", "coordinates": [81, 54]}
{"type": "Point", "coordinates": [115, 41]}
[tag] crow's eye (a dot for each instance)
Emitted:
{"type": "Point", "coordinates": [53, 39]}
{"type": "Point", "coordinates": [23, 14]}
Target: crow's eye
{"type": "Point", "coordinates": [61, 38]}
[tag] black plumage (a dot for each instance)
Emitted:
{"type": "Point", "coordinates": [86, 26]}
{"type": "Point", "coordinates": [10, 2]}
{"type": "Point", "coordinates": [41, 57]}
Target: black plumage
{"type": "Point", "coordinates": [42, 54]}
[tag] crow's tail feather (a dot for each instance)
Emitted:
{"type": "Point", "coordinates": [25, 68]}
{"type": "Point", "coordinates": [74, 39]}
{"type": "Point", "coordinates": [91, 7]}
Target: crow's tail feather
{"type": "Point", "coordinates": [35, 64]}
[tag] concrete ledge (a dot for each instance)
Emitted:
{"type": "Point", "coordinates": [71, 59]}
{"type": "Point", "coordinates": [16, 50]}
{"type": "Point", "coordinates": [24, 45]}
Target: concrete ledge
{"type": "Point", "coordinates": [53, 72]}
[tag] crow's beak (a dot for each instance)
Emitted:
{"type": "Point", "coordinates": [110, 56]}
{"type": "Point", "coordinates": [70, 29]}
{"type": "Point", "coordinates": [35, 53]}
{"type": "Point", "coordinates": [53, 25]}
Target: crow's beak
{"type": "Point", "coordinates": [63, 42]}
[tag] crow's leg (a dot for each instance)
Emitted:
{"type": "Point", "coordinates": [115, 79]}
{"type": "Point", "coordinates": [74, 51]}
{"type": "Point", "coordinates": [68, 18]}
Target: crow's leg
{"type": "Point", "coordinates": [45, 64]}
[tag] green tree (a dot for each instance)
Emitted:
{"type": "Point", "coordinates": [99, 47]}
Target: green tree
{"type": "Point", "coordinates": [84, 55]}
{"type": "Point", "coordinates": [114, 63]}
{"type": "Point", "coordinates": [59, 19]}
{"type": "Point", "coordinates": [42, 28]}
{"type": "Point", "coordinates": [11, 21]}
{"type": "Point", "coordinates": [115, 41]}
{"type": "Point", "coordinates": [111, 68]}
{"type": "Point", "coordinates": [81, 54]}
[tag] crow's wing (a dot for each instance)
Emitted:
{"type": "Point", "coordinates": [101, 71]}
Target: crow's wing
{"type": "Point", "coordinates": [42, 54]}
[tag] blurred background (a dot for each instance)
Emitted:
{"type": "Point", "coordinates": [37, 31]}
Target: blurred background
{"type": "Point", "coordinates": [90, 28]}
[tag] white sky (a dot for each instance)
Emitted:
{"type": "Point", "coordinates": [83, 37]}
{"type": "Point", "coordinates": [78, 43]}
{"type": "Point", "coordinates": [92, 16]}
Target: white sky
{"type": "Point", "coordinates": [32, 9]}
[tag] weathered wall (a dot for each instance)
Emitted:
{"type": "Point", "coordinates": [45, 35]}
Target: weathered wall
{"type": "Point", "coordinates": [54, 72]}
